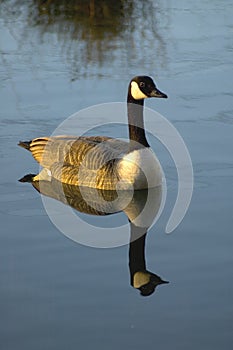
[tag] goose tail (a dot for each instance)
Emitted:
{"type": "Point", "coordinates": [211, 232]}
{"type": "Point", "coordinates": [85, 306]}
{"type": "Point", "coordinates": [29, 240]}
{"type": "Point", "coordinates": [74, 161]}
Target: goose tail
{"type": "Point", "coordinates": [37, 147]}
{"type": "Point", "coordinates": [27, 178]}
{"type": "Point", "coordinates": [25, 144]}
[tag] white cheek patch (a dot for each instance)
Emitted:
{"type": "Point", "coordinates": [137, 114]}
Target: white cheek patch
{"type": "Point", "coordinates": [136, 93]}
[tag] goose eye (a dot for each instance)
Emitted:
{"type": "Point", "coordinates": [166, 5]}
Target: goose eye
{"type": "Point", "coordinates": [142, 84]}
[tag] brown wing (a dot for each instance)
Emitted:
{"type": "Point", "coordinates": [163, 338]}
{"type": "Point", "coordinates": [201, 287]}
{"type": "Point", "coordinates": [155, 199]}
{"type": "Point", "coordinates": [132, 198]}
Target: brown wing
{"type": "Point", "coordinates": [73, 151]}
{"type": "Point", "coordinates": [86, 161]}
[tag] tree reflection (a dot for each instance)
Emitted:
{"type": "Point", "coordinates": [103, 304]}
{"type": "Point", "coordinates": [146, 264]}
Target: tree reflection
{"type": "Point", "coordinates": [95, 34]}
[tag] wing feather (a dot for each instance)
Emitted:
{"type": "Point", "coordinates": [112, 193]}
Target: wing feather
{"type": "Point", "coordinates": [87, 161]}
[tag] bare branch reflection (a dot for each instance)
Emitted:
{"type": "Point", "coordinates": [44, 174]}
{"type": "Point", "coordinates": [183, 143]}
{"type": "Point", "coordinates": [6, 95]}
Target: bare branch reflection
{"type": "Point", "coordinates": [95, 34]}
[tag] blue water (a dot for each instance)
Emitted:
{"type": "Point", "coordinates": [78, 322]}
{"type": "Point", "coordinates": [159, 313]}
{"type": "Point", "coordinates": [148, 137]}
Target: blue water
{"type": "Point", "coordinates": [57, 294]}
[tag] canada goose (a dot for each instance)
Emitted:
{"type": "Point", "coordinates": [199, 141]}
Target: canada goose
{"type": "Point", "coordinates": [103, 162]}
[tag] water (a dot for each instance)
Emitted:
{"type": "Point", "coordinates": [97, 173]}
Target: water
{"type": "Point", "coordinates": [54, 61]}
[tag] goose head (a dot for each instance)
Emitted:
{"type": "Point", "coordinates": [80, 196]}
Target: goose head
{"type": "Point", "coordinates": [142, 87]}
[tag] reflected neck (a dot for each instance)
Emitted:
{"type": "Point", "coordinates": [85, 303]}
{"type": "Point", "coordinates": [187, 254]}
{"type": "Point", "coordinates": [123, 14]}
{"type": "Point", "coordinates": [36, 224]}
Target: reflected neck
{"type": "Point", "coordinates": [137, 134]}
{"type": "Point", "coordinates": [137, 260]}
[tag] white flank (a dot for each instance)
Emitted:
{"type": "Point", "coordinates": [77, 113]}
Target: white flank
{"type": "Point", "coordinates": [136, 93]}
{"type": "Point", "coordinates": [141, 169]}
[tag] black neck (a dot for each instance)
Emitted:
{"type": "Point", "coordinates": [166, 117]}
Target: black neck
{"type": "Point", "coordinates": [136, 123]}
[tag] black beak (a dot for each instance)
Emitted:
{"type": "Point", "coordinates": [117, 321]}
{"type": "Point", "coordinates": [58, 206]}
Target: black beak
{"type": "Point", "coordinates": [158, 94]}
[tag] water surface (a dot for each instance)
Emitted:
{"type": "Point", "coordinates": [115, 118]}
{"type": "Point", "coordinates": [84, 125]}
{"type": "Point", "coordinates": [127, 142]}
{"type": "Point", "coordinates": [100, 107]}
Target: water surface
{"type": "Point", "coordinates": [57, 59]}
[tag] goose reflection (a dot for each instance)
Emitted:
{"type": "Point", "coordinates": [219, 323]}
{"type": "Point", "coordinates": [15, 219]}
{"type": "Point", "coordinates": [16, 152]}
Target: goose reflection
{"type": "Point", "coordinates": [141, 208]}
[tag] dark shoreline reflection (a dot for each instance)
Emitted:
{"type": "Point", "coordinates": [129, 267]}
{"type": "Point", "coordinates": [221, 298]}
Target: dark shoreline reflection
{"type": "Point", "coordinates": [94, 34]}
{"type": "Point", "coordinates": [100, 203]}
